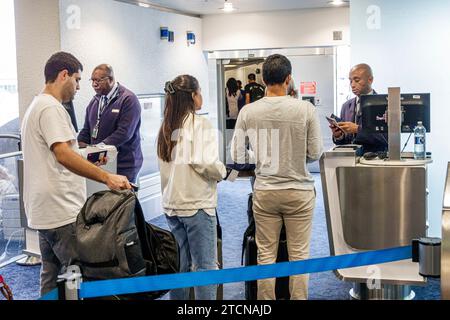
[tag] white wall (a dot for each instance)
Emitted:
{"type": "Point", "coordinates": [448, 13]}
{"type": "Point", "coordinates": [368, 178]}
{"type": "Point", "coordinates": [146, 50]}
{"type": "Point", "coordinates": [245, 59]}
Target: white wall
{"type": "Point", "coordinates": [279, 29]}
{"type": "Point", "coordinates": [320, 69]}
{"type": "Point", "coordinates": [127, 37]}
{"type": "Point", "coordinates": [410, 50]}
{"type": "Point", "coordinates": [37, 38]}
{"type": "Point", "coordinates": [8, 70]}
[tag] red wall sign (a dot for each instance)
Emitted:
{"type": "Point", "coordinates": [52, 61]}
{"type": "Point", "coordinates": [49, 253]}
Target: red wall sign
{"type": "Point", "coordinates": [308, 87]}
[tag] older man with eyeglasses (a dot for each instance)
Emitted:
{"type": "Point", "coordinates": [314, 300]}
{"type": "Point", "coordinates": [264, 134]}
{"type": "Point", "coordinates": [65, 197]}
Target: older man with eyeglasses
{"type": "Point", "coordinates": [113, 117]}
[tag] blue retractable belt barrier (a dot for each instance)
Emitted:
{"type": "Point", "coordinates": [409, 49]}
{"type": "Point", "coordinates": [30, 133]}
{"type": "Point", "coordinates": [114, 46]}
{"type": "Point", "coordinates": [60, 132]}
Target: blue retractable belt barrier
{"type": "Point", "coordinates": [52, 295]}
{"type": "Point", "coordinates": [194, 279]}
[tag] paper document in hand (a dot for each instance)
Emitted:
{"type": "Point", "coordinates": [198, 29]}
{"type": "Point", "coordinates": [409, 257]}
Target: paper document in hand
{"type": "Point", "coordinates": [233, 175]}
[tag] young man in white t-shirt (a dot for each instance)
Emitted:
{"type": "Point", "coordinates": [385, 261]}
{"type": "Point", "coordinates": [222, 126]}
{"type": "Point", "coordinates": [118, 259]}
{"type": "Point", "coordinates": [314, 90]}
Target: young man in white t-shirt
{"type": "Point", "coordinates": [54, 187]}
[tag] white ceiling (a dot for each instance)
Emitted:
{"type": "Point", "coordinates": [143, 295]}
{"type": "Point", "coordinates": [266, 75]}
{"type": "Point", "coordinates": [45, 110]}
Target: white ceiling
{"type": "Point", "coordinates": [203, 7]}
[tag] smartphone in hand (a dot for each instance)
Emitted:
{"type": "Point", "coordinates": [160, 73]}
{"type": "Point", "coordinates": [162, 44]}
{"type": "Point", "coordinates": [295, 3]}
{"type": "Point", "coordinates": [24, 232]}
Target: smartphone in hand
{"type": "Point", "coordinates": [335, 117]}
{"type": "Point", "coordinates": [333, 122]}
{"type": "Point", "coordinates": [95, 157]}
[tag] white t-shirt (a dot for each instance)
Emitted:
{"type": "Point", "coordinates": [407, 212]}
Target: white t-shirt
{"type": "Point", "coordinates": [53, 195]}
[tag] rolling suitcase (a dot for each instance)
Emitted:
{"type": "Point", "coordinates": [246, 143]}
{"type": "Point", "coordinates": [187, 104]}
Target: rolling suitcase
{"type": "Point", "coordinates": [249, 257]}
{"type": "Point", "coordinates": [219, 256]}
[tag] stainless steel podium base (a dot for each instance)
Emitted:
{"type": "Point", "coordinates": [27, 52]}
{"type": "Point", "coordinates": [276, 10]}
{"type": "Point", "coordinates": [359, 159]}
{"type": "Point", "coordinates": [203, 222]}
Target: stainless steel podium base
{"type": "Point", "coordinates": [385, 292]}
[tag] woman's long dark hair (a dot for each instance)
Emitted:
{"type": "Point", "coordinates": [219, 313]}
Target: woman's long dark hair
{"type": "Point", "coordinates": [179, 104]}
{"type": "Point", "coordinates": [232, 86]}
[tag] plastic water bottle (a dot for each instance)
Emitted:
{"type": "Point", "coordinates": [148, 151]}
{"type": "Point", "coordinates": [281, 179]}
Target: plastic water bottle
{"type": "Point", "coordinates": [419, 142]}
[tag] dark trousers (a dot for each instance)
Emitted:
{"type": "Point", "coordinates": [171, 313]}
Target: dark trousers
{"type": "Point", "coordinates": [58, 250]}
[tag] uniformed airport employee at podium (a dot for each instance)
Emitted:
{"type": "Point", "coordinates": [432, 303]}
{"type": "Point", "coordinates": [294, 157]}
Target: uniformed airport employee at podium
{"type": "Point", "coordinates": [113, 117]}
{"type": "Point", "coordinates": [350, 124]}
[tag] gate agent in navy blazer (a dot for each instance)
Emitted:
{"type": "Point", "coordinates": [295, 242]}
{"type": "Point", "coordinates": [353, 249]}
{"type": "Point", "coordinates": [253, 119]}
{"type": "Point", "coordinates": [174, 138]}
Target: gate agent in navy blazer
{"type": "Point", "coordinates": [361, 79]}
{"type": "Point", "coordinates": [113, 117]}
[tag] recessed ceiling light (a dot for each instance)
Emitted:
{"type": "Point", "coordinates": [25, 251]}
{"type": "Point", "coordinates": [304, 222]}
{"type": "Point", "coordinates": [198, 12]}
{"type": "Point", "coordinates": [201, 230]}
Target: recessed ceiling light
{"type": "Point", "coordinates": [144, 5]}
{"type": "Point", "coordinates": [338, 2]}
{"type": "Point", "coordinates": [228, 7]}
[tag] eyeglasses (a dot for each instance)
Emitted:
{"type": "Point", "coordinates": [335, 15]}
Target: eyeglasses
{"type": "Point", "coordinates": [98, 80]}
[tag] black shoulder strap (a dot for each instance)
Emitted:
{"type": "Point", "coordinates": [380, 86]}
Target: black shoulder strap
{"type": "Point", "coordinates": [143, 232]}
{"type": "Point", "coordinates": [219, 227]}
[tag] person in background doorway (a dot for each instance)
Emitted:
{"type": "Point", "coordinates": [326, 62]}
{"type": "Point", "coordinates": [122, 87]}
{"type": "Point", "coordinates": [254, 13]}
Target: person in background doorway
{"type": "Point", "coordinates": [361, 79]}
{"type": "Point", "coordinates": [232, 97]}
{"type": "Point", "coordinates": [113, 117]}
{"type": "Point", "coordinates": [291, 90]}
{"type": "Point", "coordinates": [188, 151]}
{"type": "Point", "coordinates": [54, 171]}
{"type": "Point", "coordinates": [241, 102]}
{"type": "Point", "coordinates": [253, 90]}
{"type": "Point", "coordinates": [239, 82]}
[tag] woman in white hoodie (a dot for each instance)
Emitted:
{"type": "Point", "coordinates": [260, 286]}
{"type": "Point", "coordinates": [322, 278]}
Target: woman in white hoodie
{"type": "Point", "coordinates": [190, 169]}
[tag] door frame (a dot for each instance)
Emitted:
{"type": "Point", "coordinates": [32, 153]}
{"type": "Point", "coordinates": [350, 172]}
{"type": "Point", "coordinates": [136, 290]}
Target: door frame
{"type": "Point", "coordinates": [220, 58]}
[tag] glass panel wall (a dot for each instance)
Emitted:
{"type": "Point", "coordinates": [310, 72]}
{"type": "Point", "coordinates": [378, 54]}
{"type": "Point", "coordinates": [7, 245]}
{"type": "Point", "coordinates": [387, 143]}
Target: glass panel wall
{"type": "Point", "coordinates": [11, 220]}
{"type": "Point", "coordinates": [9, 105]}
{"type": "Point", "coordinates": [11, 231]}
{"type": "Point", "coordinates": [151, 117]}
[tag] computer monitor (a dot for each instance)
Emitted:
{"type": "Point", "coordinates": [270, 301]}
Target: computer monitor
{"type": "Point", "coordinates": [415, 107]}
{"type": "Point", "coordinates": [310, 99]}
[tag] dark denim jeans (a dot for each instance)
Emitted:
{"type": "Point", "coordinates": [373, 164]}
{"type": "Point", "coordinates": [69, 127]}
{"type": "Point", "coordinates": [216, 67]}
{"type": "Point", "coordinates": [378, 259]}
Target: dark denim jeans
{"type": "Point", "coordinates": [58, 250]}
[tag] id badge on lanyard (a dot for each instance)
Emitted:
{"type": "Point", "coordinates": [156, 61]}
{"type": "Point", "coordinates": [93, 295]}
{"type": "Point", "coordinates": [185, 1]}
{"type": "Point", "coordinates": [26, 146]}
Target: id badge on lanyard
{"type": "Point", "coordinates": [95, 131]}
{"type": "Point", "coordinates": [101, 108]}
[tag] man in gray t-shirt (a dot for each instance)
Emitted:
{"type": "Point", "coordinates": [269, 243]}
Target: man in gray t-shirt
{"type": "Point", "coordinates": [284, 134]}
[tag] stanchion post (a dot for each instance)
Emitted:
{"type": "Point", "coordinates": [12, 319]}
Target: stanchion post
{"type": "Point", "coordinates": [394, 124]}
{"type": "Point", "coordinates": [69, 284]}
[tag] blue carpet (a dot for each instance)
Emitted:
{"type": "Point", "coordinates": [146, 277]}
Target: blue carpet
{"type": "Point", "coordinates": [232, 209]}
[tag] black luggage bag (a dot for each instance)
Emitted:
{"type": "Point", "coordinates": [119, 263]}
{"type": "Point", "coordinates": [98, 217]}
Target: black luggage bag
{"type": "Point", "coordinates": [249, 255]}
{"type": "Point", "coordinates": [114, 241]}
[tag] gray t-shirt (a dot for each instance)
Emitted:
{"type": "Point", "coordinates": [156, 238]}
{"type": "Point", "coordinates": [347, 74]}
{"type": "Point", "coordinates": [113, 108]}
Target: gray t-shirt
{"type": "Point", "coordinates": [284, 135]}
{"type": "Point", "coordinates": [53, 195]}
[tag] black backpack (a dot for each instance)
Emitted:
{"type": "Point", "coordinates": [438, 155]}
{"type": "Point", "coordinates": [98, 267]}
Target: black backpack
{"type": "Point", "coordinates": [256, 92]}
{"type": "Point", "coordinates": [115, 241]}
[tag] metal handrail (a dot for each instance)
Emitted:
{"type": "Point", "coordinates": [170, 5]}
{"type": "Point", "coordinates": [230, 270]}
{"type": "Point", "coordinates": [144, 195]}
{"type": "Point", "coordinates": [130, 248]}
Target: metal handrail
{"type": "Point", "coordinates": [10, 155]}
{"type": "Point", "coordinates": [445, 247]}
{"type": "Point", "coordinates": [10, 136]}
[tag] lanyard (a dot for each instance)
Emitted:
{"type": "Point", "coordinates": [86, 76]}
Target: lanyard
{"type": "Point", "coordinates": [102, 104]}
{"type": "Point", "coordinates": [105, 100]}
